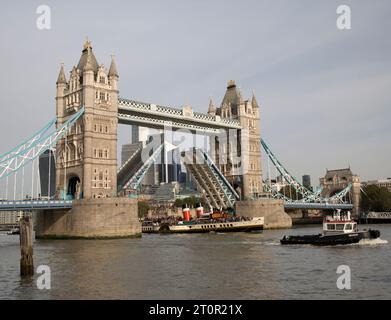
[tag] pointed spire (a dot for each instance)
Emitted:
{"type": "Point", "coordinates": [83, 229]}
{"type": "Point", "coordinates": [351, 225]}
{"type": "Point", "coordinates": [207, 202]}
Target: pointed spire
{"type": "Point", "coordinates": [87, 44]}
{"type": "Point", "coordinates": [89, 64]}
{"type": "Point", "coordinates": [212, 108]}
{"type": "Point", "coordinates": [87, 54]}
{"type": "Point", "coordinates": [113, 68]}
{"type": "Point", "coordinates": [254, 102]}
{"type": "Point", "coordinates": [61, 76]}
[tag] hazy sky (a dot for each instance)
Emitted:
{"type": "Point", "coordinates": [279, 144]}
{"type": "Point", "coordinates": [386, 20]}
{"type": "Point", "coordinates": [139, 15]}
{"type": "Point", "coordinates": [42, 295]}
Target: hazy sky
{"type": "Point", "coordinates": [324, 93]}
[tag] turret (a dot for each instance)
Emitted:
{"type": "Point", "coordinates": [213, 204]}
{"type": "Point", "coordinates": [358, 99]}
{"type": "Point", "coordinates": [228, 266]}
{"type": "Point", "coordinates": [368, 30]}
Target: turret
{"type": "Point", "coordinates": [113, 74]}
{"type": "Point", "coordinates": [88, 70]}
{"type": "Point", "coordinates": [211, 108]}
{"type": "Point", "coordinates": [254, 102]}
{"type": "Point", "coordinates": [61, 85]}
{"type": "Point", "coordinates": [61, 80]}
{"type": "Point", "coordinates": [255, 105]}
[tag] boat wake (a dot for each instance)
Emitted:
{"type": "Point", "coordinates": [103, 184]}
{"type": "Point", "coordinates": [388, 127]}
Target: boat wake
{"type": "Point", "coordinates": [372, 242]}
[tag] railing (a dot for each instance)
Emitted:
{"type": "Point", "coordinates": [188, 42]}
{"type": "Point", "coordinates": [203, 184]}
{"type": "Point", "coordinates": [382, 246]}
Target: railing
{"type": "Point", "coordinates": [177, 113]}
{"type": "Point", "coordinates": [19, 205]}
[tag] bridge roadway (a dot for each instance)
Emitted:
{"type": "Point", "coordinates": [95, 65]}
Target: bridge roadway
{"type": "Point", "coordinates": [320, 206]}
{"type": "Point", "coordinates": [29, 205]}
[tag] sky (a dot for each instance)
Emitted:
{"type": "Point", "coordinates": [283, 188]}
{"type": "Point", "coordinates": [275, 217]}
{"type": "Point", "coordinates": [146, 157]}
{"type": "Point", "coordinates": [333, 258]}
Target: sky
{"type": "Point", "coordinates": [324, 92]}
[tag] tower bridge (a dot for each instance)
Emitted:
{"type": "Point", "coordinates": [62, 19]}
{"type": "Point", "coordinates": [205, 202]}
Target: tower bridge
{"type": "Point", "coordinates": [89, 186]}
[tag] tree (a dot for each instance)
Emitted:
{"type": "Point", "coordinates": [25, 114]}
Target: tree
{"type": "Point", "coordinates": [190, 201]}
{"type": "Point", "coordinates": [178, 203]}
{"type": "Point", "coordinates": [376, 199]}
{"type": "Point", "coordinates": [143, 208]}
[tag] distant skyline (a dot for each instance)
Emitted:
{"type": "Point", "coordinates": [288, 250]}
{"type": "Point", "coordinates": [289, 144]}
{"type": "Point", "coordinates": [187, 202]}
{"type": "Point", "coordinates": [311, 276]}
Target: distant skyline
{"type": "Point", "coordinates": [324, 93]}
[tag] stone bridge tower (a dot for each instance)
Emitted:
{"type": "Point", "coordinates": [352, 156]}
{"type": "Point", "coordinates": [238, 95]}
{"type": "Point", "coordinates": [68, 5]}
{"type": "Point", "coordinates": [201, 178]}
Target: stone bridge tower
{"type": "Point", "coordinates": [337, 180]}
{"type": "Point", "coordinates": [86, 165]}
{"type": "Point", "coordinates": [238, 154]}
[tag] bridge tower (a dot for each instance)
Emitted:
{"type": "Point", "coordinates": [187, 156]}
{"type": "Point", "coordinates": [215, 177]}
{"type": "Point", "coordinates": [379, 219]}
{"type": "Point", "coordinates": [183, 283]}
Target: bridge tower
{"type": "Point", "coordinates": [86, 165]}
{"type": "Point", "coordinates": [241, 150]}
{"type": "Point", "coordinates": [337, 180]}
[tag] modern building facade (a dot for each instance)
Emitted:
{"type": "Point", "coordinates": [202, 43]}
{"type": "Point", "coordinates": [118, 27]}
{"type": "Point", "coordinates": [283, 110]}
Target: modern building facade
{"type": "Point", "coordinates": [9, 217]}
{"type": "Point", "coordinates": [307, 181]}
{"type": "Point", "coordinates": [47, 174]}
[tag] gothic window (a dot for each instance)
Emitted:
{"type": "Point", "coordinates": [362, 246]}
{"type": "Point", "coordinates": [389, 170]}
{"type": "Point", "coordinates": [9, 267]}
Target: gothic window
{"type": "Point", "coordinates": [100, 153]}
{"type": "Point", "coordinates": [102, 79]}
{"type": "Point", "coordinates": [106, 129]}
{"type": "Point", "coordinates": [96, 95]}
{"type": "Point", "coordinates": [102, 96]}
{"type": "Point", "coordinates": [94, 153]}
{"type": "Point", "coordinates": [106, 154]}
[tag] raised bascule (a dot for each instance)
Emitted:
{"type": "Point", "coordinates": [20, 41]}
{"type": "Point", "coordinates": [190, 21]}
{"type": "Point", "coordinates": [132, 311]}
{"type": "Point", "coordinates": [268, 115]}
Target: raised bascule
{"type": "Point", "coordinates": [90, 199]}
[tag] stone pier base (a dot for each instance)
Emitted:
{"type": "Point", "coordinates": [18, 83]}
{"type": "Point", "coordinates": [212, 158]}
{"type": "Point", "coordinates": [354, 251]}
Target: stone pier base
{"type": "Point", "coordinates": [271, 209]}
{"type": "Point", "coordinates": [91, 219]}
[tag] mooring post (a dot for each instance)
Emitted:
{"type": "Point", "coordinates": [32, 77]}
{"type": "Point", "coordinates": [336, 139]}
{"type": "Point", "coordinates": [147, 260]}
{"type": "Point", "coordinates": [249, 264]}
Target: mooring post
{"type": "Point", "coordinates": [26, 246]}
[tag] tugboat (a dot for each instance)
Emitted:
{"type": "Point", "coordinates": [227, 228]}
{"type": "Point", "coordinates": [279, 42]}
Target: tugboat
{"type": "Point", "coordinates": [337, 229]}
{"type": "Point", "coordinates": [204, 223]}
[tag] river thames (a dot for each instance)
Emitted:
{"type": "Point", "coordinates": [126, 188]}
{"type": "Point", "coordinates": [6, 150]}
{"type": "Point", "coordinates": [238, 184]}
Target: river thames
{"type": "Point", "coordinates": [200, 266]}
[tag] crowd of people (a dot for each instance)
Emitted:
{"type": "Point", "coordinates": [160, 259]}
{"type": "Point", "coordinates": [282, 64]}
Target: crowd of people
{"type": "Point", "coordinates": [178, 219]}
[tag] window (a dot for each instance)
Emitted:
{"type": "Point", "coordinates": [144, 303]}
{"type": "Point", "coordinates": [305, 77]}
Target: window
{"type": "Point", "coordinates": [339, 227]}
{"type": "Point", "coordinates": [102, 79]}
{"type": "Point", "coordinates": [348, 226]}
{"type": "Point", "coordinates": [102, 96]}
{"type": "Point", "coordinates": [331, 227]}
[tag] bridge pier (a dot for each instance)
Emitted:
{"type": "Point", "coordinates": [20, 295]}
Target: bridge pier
{"type": "Point", "coordinates": [91, 219]}
{"type": "Point", "coordinates": [271, 209]}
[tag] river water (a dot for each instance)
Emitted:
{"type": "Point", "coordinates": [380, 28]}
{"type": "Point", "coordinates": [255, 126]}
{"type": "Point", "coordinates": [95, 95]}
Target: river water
{"type": "Point", "coordinates": [200, 266]}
